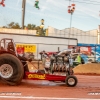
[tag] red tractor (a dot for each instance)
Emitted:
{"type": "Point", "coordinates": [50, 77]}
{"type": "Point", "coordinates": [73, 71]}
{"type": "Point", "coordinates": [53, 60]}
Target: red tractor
{"type": "Point", "coordinates": [13, 68]}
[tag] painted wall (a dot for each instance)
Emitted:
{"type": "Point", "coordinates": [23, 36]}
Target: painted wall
{"type": "Point", "coordinates": [89, 52]}
{"type": "Point", "coordinates": [49, 44]}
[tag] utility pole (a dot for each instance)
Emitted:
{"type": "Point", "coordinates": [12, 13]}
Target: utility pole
{"type": "Point", "coordinates": [23, 12]}
{"type": "Point", "coordinates": [71, 10]}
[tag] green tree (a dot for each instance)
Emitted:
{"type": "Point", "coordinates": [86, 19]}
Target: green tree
{"type": "Point", "coordinates": [40, 31]}
{"type": "Point", "coordinates": [10, 25]}
{"type": "Point", "coordinates": [14, 25]}
{"type": "Point", "coordinates": [4, 27]}
{"type": "Point", "coordinates": [31, 26]}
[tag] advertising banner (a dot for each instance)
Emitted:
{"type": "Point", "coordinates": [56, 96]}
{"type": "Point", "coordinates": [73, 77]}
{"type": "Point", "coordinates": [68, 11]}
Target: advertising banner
{"type": "Point", "coordinates": [26, 50]}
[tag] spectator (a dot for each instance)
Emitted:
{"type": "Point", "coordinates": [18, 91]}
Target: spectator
{"type": "Point", "coordinates": [79, 59]}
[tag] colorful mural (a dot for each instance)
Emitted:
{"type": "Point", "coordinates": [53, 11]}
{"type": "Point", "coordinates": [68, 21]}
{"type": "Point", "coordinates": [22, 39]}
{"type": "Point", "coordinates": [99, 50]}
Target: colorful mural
{"type": "Point", "coordinates": [89, 52]}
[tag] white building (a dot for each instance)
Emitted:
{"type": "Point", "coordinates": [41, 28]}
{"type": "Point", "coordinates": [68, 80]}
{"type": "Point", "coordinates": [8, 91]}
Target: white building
{"type": "Point", "coordinates": [86, 37]}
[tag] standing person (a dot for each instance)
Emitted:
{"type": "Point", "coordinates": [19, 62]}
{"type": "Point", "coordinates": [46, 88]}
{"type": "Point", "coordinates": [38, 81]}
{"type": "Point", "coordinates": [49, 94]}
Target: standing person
{"type": "Point", "coordinates": [43, 56]}
{"type": "Point", "coordinates": [73, 50]}
{"type": "Point", "coordinates": [79, 59]}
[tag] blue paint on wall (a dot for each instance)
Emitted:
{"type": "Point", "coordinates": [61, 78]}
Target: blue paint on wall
{"type": "Point", "coordinates": [95, 52]}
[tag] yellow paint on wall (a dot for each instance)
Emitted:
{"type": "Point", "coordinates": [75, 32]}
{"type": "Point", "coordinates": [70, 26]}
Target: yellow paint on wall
{"type": "Point", "coordinates": [28, 47]}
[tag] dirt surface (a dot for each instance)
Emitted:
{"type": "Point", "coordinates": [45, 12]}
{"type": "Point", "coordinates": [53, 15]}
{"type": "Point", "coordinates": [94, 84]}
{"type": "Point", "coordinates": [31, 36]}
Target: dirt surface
{"type": "Point", "coordinates": [88, 87]}
{"type": "Point", "coordinates": [89, 68]}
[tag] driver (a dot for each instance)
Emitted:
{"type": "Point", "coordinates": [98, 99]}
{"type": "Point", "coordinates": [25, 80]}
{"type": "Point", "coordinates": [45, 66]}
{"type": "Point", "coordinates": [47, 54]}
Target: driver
{"type": "Point", "coordinates": [10, 47]}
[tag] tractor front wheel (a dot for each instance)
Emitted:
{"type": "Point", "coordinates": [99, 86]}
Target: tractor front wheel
{"type": "Point", "coordinates": [71, 81]}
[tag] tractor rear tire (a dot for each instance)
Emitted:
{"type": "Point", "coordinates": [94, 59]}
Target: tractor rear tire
{"type": "Point", "coordinates": [11, 69]}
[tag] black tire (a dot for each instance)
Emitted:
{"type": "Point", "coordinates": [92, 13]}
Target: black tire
{"type": "Point", "coordinates": [71, 78]}
{"type": "Point", "coordinates": [17, 67]}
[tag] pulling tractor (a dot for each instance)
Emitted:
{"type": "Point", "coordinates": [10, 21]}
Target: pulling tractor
{"type": "Point", "coordinates": [13, 68]}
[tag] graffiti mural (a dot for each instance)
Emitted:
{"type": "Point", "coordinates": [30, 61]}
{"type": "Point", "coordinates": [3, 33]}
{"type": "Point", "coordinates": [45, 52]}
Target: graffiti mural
{"type": "Point", "coordinates": [89, 52]}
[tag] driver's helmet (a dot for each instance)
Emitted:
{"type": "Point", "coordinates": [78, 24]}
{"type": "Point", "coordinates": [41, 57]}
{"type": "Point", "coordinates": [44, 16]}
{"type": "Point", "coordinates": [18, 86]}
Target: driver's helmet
{"type": "Point", "coordinates": [10, 47]}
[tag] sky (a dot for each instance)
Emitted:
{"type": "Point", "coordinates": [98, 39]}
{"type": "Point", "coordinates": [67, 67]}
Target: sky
{"type": "Point", "coordinates": [54, 12]}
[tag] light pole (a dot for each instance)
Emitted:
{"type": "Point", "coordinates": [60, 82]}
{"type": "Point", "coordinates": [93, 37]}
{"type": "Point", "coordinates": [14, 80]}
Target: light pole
{"type": "Point", "coordinates": [41, 27]}
{"type": "Point", "coordinates": [42, 23]}
{"type": "Point", "coordinates": [23, 12]}
{"type": "Point", "coordinates": [2, 3]}
{"type": "Point", "coordinates": [71, 10]}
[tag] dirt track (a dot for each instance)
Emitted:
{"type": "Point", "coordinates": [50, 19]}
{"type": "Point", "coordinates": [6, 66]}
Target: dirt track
{"type": "Point", "coordinates": [87, 87]}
